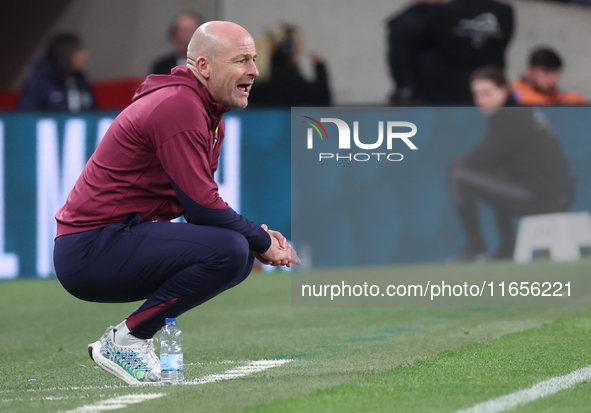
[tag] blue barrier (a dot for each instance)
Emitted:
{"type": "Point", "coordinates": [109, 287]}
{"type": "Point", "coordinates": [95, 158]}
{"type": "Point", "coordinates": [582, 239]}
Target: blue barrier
{"type": "Point", "coordinates": [41, 155]}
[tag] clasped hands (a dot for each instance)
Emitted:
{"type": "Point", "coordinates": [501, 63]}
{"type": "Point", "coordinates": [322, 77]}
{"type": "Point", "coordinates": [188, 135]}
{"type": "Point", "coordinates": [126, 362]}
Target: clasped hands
{"type": "Point", "coordinates": [280, 252]}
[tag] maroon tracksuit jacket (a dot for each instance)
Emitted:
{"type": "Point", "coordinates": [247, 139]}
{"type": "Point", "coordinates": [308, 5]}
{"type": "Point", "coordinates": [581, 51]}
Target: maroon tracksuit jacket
{"type": "Point", "coordinates": [158, 159]}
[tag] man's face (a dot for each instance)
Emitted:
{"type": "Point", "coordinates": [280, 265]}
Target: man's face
{"type": "Point", "coordinates": [543, 79]}
{"type": "Point", "coordinates": [488, 96]}
{"type": "Point", "coordinates": [232, 73]}
{"type": "Point", "coordinates": [185, 27]}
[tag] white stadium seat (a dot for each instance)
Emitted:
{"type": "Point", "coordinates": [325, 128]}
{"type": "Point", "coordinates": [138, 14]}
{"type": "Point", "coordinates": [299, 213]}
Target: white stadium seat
{"type": "Point", "coordinates": [563, 234]}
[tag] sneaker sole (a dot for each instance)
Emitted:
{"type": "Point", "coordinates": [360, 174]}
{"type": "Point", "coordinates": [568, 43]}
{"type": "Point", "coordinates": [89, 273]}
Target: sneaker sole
{"type": "Point", "coordinates": [113, 368]}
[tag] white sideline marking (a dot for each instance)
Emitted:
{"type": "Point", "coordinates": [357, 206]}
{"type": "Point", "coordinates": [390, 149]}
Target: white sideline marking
{"type": "Point", "coordinates": [115, 403]}
{"type": "Point", "coordinates": [537, 391]}
{"type": "Point", "coordinates": [210, 363]}
{"type": "Point", "coordinates": [250, 368]}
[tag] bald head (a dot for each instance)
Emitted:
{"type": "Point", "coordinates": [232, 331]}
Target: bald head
{"type": "Point", "coordinates": [222, 56]}
{"type": "Point", "coordinates": [214, 37]}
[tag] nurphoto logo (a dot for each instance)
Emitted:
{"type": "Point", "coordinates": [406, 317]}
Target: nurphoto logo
{"type": "Point", "coordinates": [394, 130]}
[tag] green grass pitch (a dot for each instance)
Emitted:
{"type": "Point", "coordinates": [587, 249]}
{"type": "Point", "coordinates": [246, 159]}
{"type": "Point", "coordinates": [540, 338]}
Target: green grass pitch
{"type": "Point", "coordinates": [342, 359]}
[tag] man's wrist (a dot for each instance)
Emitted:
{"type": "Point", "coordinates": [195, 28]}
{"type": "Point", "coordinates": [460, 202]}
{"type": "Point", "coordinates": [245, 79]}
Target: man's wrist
{"type": "Point", "coordinates": [263, 241]}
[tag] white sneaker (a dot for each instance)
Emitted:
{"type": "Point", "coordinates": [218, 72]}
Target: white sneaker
{"type": "Point", "coordinates": [135, 364]}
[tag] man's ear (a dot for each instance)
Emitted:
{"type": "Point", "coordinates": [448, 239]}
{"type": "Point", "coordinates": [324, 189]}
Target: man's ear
{"type": "Point", "coordinates": [203, 66]}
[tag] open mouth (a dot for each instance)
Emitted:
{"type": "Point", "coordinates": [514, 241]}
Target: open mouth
{"type": "Point", "coordinates": [244, 88]}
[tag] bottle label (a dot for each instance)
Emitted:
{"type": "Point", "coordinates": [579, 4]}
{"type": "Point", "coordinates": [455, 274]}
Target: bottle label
{"type": "Point", "coordinates": [171, 362]}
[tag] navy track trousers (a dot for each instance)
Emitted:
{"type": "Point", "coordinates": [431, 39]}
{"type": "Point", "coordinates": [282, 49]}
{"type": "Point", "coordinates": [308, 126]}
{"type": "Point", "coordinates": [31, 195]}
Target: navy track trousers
{"type": "Point", "coordinates": [173, 266]}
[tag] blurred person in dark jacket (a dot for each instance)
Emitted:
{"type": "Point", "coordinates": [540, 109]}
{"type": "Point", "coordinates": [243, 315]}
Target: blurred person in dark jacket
{"type": "Point", "coordinates": [462, 36]}
{"type": "Point", "coordinates": [281, 84]}
{"type": "Point", "coordinates": [408, 68]}
{"type": "Point", "coordinates": [179, 33]}
{"type": "Point", "coordinates": [518, 168]}
{"type": "Point", "coordinates": [59, 82]}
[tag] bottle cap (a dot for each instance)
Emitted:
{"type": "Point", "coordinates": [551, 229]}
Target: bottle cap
{"type": "Point", "coordinates": [170, 321]}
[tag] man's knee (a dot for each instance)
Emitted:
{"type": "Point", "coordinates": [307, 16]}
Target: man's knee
{"type": "Point", "coordinates": [235, 252]}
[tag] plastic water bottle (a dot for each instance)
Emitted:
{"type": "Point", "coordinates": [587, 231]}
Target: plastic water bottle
{"type": "Point", "coordinates": [171, 353]}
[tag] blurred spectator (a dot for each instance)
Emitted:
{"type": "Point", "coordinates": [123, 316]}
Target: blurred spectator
{"type": "Point", "coordinates": [408, 68]}
{"type": "Point", "coordinates": [462, 36]}
{"type": "Point", "coordinates": [539, 85]}
{"type": "Point", "coordinates": [281, 83]}
{"type": "Point", "coordinates": [58, 81]}
{"type": "Point", "coordinates": [518, 168]}
{"type": "Point", "coordinates": [179, 33]}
